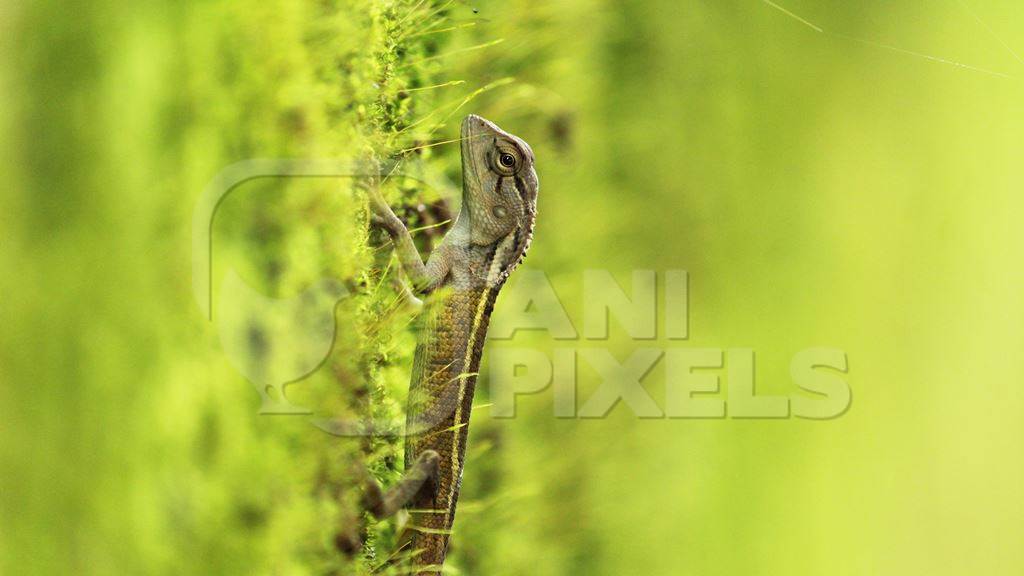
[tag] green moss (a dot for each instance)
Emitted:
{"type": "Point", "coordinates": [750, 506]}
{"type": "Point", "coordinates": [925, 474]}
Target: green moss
{"type": "Point", "coordinates": [194, 480]}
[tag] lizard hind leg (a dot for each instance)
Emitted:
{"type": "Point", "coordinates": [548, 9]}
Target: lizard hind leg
{"type": "Point", "coordinates": [384, 504]}
{"type": "Point", "coordinates": [381, 504]}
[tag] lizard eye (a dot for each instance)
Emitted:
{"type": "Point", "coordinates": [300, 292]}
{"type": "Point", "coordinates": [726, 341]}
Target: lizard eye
{"type": "Point", "coordinates": [506, 160]}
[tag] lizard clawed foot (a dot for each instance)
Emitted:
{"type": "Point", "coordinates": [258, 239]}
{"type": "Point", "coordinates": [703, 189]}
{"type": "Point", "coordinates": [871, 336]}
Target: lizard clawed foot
{"type": "Point", "coordinates": [383, 505]}
{"type": "Point", "coordinates": [385, 219]}
{"type": "Point", "coordinates": [381, 214]}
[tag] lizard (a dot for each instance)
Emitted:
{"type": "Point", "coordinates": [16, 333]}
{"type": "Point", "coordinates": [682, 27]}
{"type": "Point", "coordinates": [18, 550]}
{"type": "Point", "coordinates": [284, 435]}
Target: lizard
{"type": "Point", "coordinates": [487, 241]}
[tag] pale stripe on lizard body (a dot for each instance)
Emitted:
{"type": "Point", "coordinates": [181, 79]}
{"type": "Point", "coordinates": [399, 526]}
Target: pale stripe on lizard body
{"type": "Point", "coordinates": [465, 273]}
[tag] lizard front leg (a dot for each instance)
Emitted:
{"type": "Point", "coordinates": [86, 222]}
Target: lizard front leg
{"type": "Point", "coordinates": [424, 277]}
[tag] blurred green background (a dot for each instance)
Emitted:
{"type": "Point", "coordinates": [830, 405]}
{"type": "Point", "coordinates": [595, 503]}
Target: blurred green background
{"type": "Point", "coordinates": [841, 188]}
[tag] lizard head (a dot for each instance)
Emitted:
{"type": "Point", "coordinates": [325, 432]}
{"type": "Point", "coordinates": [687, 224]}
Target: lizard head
{"type": "Point", "coordinates": [499, 192]}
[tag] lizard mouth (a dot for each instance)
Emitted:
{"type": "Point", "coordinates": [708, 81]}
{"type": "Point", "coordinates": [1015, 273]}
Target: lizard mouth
{"type": "Point", "coordinates": [467, 135]}
{"type": "Point", "coordinates": [473, 127]}
{"type": "Point", "coordinates": [474, 130]}
{"type": "Point", "coordinates": [477, 127]}
{"type": "Point", "coordinates": [479, 124]}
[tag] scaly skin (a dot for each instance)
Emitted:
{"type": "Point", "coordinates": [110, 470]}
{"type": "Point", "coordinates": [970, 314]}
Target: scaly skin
{"type": "Point", "coordinates": [466, 272]}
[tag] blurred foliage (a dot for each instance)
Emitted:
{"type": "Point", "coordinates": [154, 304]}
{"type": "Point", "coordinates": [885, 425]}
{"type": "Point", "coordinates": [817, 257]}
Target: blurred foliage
{"type": "Point", "coordinates": [822, 189]}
